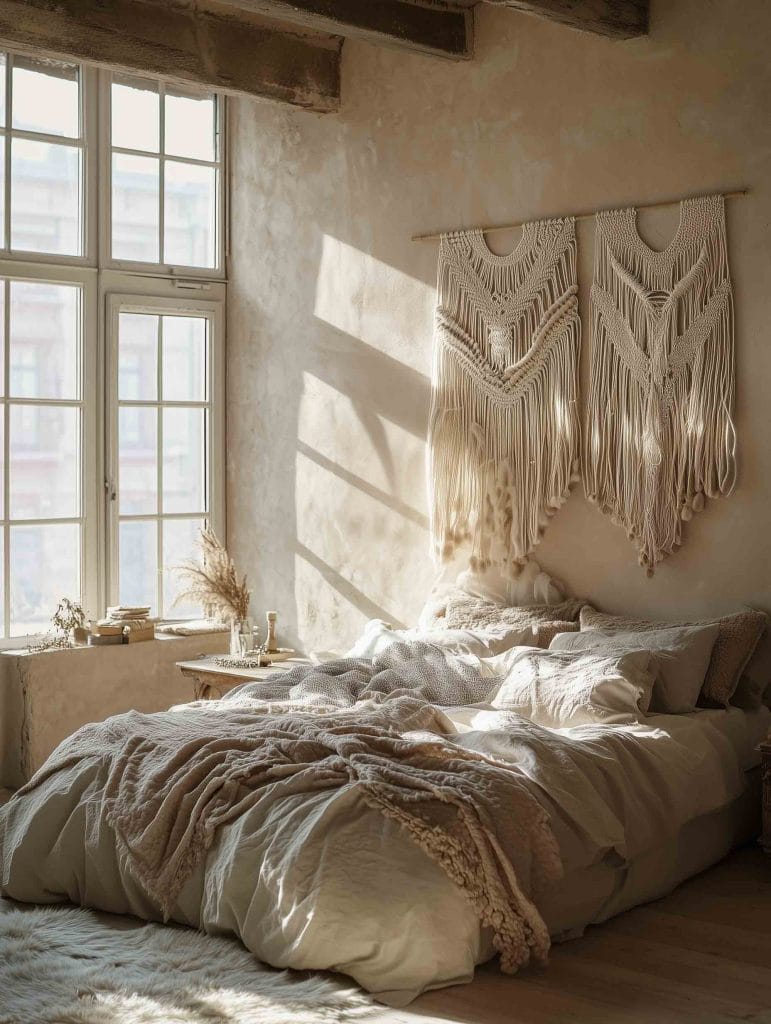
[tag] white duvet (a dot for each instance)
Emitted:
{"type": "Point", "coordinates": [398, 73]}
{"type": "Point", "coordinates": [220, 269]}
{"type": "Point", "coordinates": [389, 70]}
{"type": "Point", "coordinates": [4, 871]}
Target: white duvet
{"type": "Point", "coordinates": [335, 885]}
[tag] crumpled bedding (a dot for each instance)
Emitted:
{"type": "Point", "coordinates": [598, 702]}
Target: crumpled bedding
{"type": "Point", "coordinates": [325, 881]}
{"type": "Point", "coordinates": [174, 780]}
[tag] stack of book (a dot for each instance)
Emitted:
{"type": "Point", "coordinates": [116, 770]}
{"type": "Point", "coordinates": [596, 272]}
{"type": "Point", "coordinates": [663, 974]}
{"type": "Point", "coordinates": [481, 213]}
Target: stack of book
{"type": "Point", "coordinates": [123, 625]}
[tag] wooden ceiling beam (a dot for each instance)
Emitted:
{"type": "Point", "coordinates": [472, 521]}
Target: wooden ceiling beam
{"type": "Point", "coordinates": [438, 27]}
{"type": "Point", "coordinates": [184, 44]}
{"type": "Point", "coordinates": [619, 19]}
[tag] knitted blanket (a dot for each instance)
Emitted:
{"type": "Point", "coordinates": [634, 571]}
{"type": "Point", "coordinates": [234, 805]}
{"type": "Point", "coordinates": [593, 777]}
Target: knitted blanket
{"type": "Point", "coordinates": [174, 778]}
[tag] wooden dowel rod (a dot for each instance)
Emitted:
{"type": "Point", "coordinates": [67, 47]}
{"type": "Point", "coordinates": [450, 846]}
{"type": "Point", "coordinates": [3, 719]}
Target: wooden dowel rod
{"type": "Point", "coordinates": [490, 229]}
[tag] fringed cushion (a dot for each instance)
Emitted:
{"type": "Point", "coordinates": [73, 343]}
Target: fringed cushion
{"type": "Point", "coordinates": [537, 624]}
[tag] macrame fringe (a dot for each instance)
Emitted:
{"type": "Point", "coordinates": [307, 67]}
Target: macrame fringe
{"type": "Point", "coordinates": [660, 438]}
{"type": "Point", "coordinates": [504, 433]}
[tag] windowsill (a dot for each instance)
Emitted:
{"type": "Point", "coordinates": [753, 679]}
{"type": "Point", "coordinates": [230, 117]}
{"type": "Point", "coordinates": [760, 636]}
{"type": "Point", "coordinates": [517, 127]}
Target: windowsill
{"type": "Point", "coordinates": [23, 645]}
{"type": "Point", "coordinates": [162, 638]}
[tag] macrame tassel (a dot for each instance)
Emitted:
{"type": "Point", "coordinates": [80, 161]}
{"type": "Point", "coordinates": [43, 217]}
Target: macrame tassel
{"type": "Point", "coordinates": [660, 437]}
{"type": "Point", "coordinates": [504, 430]}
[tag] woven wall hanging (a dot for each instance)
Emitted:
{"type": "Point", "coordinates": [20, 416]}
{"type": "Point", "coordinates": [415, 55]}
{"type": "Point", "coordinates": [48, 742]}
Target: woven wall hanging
{"type": "Point", "coordinates": [504, 435]}
{"type": "Point", "coordinates": [659, 436]}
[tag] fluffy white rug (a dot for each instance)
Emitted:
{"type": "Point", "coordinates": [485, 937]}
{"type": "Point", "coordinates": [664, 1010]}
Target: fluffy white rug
{"type": "Point", "coordinates": [64, 966]}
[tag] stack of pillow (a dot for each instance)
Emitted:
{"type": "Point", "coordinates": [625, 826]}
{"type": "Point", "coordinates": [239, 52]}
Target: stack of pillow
{"type": "Point", "coordinates": [565, 663]}
{"type": "Point", "coordinates": [614, 669]}
{"type": "Point", "coordinates": [734, 674]}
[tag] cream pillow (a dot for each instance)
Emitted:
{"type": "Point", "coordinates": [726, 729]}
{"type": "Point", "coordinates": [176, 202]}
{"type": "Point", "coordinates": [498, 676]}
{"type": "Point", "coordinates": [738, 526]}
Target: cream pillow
{"type": "Point", "coordinates": [558, 689]}
{"type": "Point", "coordinates": [679, 659]}
{"type": "Point", "coordinates": [737, 638]}
{"type": "Point", "coordinates": [535, 625]}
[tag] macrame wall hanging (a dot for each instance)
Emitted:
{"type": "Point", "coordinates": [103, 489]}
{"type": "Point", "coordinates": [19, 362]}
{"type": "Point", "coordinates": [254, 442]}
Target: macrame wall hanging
{"type": "Point", "coordinates": [659, 436]}
{"type": "Point", "coordinates": [504, 434]}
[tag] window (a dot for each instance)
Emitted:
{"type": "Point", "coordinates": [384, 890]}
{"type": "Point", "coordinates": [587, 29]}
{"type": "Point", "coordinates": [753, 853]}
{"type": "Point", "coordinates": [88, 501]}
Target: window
{"type": "Point", "coordinates": [111, 376]}
{"type": "Point", "coordinates": [48, 504]}
{"type": "Point", "coordinates": [42, 137]}
{"type": "Point", "coordinates": [165, 175]}
{"type": "Point", "coordinates": [165, 436]}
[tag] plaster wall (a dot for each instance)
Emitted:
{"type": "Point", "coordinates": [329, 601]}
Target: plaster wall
{"type": "Point", "coordinates": [330, 303]}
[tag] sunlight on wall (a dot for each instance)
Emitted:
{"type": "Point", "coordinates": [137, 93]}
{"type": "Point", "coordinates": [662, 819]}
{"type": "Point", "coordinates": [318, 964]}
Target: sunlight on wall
{"type": "Point", "coordinates": [338, 516]}
{"type": "Point", "coordinates": [362, 443]}
{"type": "Point", "coordinates": [371, 300]}
{"type": "Point", "coordinates": [337, 519]}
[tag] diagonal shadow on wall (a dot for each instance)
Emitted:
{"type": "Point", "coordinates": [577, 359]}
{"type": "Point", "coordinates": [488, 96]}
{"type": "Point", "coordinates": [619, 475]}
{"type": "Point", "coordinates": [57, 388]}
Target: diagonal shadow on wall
{"type": "Point", "coordinates": [347, 590]}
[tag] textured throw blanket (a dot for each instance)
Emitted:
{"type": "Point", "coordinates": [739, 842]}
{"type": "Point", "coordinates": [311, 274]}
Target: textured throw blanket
{"type": "Point", "coordinates": [174, 778]}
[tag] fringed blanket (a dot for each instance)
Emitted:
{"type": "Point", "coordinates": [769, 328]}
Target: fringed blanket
{"type": "Point", "coordinates": [175, 778]}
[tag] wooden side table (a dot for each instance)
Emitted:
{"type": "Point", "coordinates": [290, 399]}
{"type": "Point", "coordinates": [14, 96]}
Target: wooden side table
{"type": "Point", "coordinates": [765, 768]}
{"type": "Point", "coordinates": [212, 681]}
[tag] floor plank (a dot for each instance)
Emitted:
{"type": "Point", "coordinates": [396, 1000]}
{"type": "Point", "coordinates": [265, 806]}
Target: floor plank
{"type": "Point", "coordinates": [699, 956]}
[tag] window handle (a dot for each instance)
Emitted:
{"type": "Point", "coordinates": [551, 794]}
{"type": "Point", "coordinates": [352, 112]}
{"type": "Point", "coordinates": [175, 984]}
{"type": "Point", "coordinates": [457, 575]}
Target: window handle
{"type": "Point", "coordinates": [112, 493]}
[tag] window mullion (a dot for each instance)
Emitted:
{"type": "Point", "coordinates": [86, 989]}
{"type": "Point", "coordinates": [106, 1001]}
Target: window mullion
{"type": "Point", "coordinates": [55, 140]}
{"type": "Point", "coordinates": [159, 465]}
{"type": "Point", "coordinates": [7, 153]}
{"type": "Point", "coordinates": [6, 461]}
{"type": "Point", "coordinates": [193, 161]}
{"type": "Point", "coordinates": [161, 172]}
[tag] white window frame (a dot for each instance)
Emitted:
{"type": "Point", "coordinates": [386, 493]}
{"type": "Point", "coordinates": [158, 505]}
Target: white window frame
{"type": "Point", "coordinates": [89, 432]}
{"type": "Point", "coordinates": [105, 284]}
{"type": "Point", "coordinates": [215, 482]}
{"type": "Point", "coordinates": [89, 191]}
{"type": "Point", "coordinates": [105, 190]}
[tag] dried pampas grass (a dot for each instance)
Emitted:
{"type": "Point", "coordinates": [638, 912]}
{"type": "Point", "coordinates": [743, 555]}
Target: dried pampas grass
{"type": "Point", "coordinates": [213, 582]}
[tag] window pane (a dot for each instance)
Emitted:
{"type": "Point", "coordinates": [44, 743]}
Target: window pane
{"type": "Point", "coordinates": [184, 359]}
{"type": "Point", "coordinates": [44, 447]}
{"type": "Point", "coordinates": [3, 60]}
{"type": "Point", "coordinates": [135, 208]}
{"type": "Point", "coordinates": [46, 96]}
{"type": "Point", "coordinates": [45, 198]}
{"type": "Point", "coordinates": [2, 337]}
{"type": "Point", "coordinates": [135, 113]}
{"type": "Point", "coordinates": [138, 564]}
{"type": "Point", "coordinates": [183, 460]}
{"type": "Point", "coordinates": [2, 181]}
{"type": "Point", "coordinates": [2, 488]}
{"type": "Point", "coordinates": [179, 545]}
{"type": "Point", "coordinates": [138, 357]}
{"type": "Point", "coordinates": [189, 127]}
{"type": "Point", "coordinates": [190, 215]}
{"type": "Point", "coordinates": [44, 350]}
{"type": "Point", "coordinates": [138, 460]}
{"type": "Point", "coordinates": [45, 567]}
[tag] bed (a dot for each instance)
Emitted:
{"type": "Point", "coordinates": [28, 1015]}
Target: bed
{"type": "Point", "coordinates": [323, 880]}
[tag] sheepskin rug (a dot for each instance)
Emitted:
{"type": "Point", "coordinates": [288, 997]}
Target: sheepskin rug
{"type": "Point", "coordinates": [68, 966]}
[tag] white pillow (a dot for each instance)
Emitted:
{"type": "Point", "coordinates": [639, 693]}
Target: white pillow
{"type": "Point", "coordinates": [557, 689]}
{"type": "Point", "coordinates": [679, 658]}
{"type": "Point", "coordinates": [379, 635]}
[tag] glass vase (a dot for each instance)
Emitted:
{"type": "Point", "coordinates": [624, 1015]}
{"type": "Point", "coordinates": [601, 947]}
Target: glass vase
{"type": "Point", "coordinates": [241, 637]}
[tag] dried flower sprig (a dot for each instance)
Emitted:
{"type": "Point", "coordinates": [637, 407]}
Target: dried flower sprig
{"type": "Point", "coordinates": [68, 615]}
{"type": "Point", "coordinates": [213, 582]}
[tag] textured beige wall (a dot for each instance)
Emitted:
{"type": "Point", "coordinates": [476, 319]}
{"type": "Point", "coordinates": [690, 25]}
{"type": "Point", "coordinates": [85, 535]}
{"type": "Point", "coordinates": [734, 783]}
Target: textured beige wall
{"type": "Point", "coordinates": [331, 304]}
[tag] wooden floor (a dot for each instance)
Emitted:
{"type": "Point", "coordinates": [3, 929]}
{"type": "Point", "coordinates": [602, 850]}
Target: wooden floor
{"type": "Point", "coordinates": [701, 955]}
